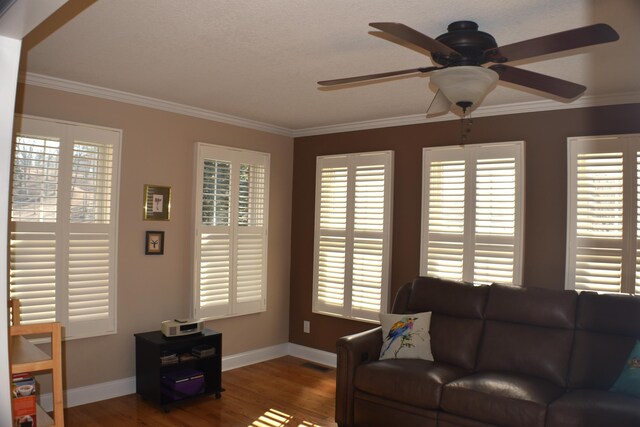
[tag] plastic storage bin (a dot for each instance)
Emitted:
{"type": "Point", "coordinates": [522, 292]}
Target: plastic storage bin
{"type": "Point", "coordinates": [183, 383]}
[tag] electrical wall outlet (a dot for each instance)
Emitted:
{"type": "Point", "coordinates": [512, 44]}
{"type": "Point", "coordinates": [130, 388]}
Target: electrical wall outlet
{"type": "Point", "coordinates": [307, 327]}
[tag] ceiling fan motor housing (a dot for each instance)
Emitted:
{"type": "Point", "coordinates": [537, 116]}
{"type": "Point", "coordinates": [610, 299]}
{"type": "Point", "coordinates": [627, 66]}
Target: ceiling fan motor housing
{"type": "Point", "coordinates": [464, 37]}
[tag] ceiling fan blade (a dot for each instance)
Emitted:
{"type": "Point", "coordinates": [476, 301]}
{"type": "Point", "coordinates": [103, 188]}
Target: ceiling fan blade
{"type": "Point", "coordinates": [558, 42]}
{"type": "Point", "coordinates": [375, 76]}
{"type": "Point", "coordinates": [541, 82]}
{"type": "Point", "coordinates": [439, 105]}
{"type": "Point", "coordinates": [415, 37]}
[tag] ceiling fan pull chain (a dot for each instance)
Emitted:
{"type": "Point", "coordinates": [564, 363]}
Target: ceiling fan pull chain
{"type": "Point", "coordinates": [469, 124]}
{"type": "Point", "coordinates": [465, 118]}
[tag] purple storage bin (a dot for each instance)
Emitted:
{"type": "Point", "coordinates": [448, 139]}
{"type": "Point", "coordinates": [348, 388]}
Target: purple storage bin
{"type": "Point", "coordinates": [183, 383]}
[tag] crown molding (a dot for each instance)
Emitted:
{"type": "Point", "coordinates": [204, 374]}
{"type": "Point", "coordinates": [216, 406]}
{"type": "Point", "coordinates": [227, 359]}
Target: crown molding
{"type": "Point", "coordinates": [482, 111]}
{"type": "Point", "coordinates": [145, 101]}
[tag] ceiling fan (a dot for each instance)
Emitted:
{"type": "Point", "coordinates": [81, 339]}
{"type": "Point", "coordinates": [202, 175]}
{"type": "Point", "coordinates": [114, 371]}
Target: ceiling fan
{"type": "Point", "coordinates": [462, 51]}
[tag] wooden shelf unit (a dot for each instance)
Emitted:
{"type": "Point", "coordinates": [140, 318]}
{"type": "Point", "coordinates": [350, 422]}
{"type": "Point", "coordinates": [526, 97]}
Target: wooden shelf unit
{"type": "Point", "coordinates": [149, 369]}
{"type": "Point", "coordinates": [26, 357]}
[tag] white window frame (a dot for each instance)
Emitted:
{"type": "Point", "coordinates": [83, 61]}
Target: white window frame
{"type": "Point", "coordinates": [604, 261]}
{"type": "Point", "coordinates": [465, 244]}
{"type": "Point", "coordinates": [367, 305]}
{"type": "Point", "coordinates": [227, 241]}
{"type": "Point", "coordinates": [71, 266]}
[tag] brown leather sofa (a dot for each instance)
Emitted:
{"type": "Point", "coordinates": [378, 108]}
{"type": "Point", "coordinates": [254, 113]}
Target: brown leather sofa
{"type": "Point", "coordinates": [504, 356]}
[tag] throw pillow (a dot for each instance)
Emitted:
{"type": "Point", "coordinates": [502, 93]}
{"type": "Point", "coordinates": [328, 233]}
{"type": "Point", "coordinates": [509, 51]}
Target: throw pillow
{"type": "Point", "coordinates": [629, 380]}
{"type": "Point", "coordinates": [406, 336]}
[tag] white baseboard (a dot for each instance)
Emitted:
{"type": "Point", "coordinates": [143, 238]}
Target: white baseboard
{"type": "Point", "coordinates": [92, 393]}
{"type": "Point", "coordinates": [254, 356]}
{"type": "Point", "coordinates": [313, 355]}
{"type": "Point", "coordinates": [102, 391]}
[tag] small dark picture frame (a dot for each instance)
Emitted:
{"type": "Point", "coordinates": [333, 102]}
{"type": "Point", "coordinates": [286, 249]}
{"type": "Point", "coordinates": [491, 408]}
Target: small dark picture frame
{"type": "Point", "coordinates": [154, 243]}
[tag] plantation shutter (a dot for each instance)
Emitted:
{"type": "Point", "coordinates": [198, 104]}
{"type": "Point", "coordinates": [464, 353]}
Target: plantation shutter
{"type": "Point", "coordinates": [251, 241]}
{"type": "Point", "coordinates": [33, 270]}
{"type": "Point", "coordinates": [214, 237]}
{"type": "Point", "coordinates": [92, 235]}
{"type": "Point", "coordinates": [352, 236]}
{"type": "Point", "coordinates": [444, 203]}
{"type": "Point", "coordinates": [34, 210]}
{"type": "Point", "coordinates": [497, 207]}
{"type": "Point", "coordinates": [331, 236]}
{"type": "Point", "coordinates": [472, 213]}
{"type": "Point", "coordinates": [64, 225]}
{"type": "Point", "coordinates": [231, 232]}
{"type": "Point", "coordinates": [602, 228]}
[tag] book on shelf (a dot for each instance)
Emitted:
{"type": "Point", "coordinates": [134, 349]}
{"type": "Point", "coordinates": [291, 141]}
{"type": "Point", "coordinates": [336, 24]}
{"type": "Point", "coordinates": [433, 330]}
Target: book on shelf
{"type": "Point", "coordinates": [23, 402]}
{"type": "Point", "coordinates": [168, 358]}
{"type": "Point", "coordinates": [187, 356]}
{"type": "Point", "coordinates": [203, 350]}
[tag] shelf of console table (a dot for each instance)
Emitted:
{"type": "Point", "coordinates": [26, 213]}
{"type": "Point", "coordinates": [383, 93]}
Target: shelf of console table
{"type": "Point", "coordinates": [26, 357]}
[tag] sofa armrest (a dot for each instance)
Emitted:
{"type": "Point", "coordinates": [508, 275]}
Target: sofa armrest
{"type": "Point", "coordinates": [352, 351]}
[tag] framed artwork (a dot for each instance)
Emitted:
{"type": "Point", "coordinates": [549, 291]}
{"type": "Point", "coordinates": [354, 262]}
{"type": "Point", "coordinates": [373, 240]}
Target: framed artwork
{"type": "Point", "coordinates": [154, 243]}
{"type": "Point", "coordinates": [157, 203]}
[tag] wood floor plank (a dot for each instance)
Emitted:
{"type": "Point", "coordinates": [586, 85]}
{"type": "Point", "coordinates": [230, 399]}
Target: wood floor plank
{"type": "Point", "coordinates": [280, 392]}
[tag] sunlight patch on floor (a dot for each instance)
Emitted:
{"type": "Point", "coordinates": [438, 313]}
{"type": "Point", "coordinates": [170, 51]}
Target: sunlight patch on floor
{"type": "Point", "coordinates": [275, 418]}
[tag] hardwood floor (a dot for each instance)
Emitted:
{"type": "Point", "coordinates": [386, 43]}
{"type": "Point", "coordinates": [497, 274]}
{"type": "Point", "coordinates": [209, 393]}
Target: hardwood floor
{"type": "Point", "coordinates": [287, 392]}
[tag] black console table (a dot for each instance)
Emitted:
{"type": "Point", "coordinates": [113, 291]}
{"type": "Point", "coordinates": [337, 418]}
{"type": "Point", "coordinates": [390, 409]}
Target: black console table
{"type": "Point", "coordinates": [150, 369]}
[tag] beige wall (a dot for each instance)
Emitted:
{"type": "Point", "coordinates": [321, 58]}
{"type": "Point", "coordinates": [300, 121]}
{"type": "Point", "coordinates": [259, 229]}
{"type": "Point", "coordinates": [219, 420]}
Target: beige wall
{"type": "Point", "coordinates": [157, 148]}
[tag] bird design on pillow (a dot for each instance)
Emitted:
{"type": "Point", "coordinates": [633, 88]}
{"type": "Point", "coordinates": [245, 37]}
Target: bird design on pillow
{"type": "Point", "coordinates": [401, 329]}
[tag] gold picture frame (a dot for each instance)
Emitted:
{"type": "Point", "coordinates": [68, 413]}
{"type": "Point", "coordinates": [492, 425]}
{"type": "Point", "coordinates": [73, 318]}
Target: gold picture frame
{"type": "Point", "coordinates": [157, 203]}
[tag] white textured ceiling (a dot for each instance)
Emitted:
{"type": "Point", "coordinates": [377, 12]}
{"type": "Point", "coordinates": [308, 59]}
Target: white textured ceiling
{"type": "Point", "coordinates": [260, 59]}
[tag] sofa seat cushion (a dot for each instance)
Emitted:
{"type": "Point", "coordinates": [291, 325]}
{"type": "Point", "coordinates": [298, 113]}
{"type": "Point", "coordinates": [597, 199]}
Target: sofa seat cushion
{"type": "Point", "coordinates": [500, 398]}
{"type": "Point", "coordinates": [413, 382]}
{"type": "Point", "coordinates": [374, 411]}
{"type": "Point", "coordinates": [594, 408]}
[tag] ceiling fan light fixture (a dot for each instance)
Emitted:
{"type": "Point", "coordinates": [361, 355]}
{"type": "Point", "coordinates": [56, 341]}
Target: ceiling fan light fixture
{"type": "Point", "coordinates": [465, 84]}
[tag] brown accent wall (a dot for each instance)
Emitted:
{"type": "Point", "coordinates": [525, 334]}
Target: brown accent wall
{"type": "Point", "coordinates": [545, 135]}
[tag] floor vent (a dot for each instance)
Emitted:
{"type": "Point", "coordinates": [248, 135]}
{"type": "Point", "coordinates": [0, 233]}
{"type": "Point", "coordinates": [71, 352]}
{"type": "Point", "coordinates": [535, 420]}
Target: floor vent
{"type": "Point", "coordinates": [316, 367]}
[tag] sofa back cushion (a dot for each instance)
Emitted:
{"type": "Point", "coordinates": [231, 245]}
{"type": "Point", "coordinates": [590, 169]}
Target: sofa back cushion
{"type": "Point", "coordinates": [456, 320]}
{"type": "Point", "coordinates": [529, 331]}
{"type": "Point", "coordinates": [401, 301]}
{"type": "Point", "coordinates": [607, 328]}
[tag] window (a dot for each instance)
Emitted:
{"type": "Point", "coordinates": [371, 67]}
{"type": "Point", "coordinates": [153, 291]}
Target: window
{"type": "Point", "coordinates": [354, 199]}
{"type": "Point", "coordinates": [230, 250]}
{"type": "Point", "coordinates": [472, 204]}
{"type": "Point", "coordinates": [63, 230]}
{"type": "Point", "coordinates": [603, 214]}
